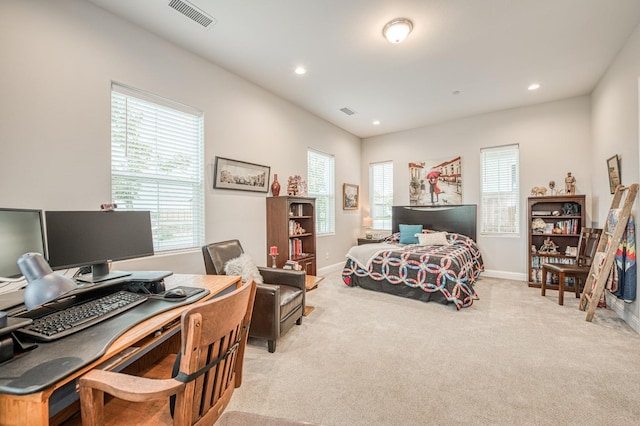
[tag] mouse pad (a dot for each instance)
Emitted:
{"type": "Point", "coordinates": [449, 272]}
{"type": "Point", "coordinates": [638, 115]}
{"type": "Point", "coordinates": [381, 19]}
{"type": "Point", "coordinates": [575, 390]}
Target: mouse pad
{"type": "Point", "coordinates": [189, 291]}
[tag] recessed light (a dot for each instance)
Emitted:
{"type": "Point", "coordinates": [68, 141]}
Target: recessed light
{"type": "Point", "coordinates": [534, 86]}
{"type": "Point", "coordinates": [300, 70]}
{"type": "Point", "coordinates": [456, 92]}
{"type": "Point", "coordinates": [376, 122]}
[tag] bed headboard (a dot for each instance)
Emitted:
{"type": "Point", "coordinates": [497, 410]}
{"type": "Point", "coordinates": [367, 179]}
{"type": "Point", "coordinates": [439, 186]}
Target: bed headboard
{"type": "Point", "coordinates": [460, 218]}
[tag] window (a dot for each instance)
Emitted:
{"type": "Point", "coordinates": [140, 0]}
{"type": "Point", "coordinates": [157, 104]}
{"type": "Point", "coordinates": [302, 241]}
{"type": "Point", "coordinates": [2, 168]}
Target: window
{"type": "Point", "coordinates": [321, 177]}
{"type": "Point", "coordinates": [381, 194]}
{"type": "Point", "coordinates": [157, 165]}
{"type": "Point", "coordinates": [500, 191]}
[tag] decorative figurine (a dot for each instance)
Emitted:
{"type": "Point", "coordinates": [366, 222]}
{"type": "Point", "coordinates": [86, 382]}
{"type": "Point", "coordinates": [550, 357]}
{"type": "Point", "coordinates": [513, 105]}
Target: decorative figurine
{"type": "Point", "coordinates": [538, 191]}
{"type": "Point", "coordinates": [548, 246]}
{"type": "Point", "coordinates": [569, 184]}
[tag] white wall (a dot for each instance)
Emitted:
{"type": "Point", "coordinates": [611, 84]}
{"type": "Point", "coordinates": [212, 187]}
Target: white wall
{"type": "Point", "coordinates": [58, 60]}
{"type": "Point", "coordinates": [615, 131]}
{"type": "Point", "coordinates": [554, 139]}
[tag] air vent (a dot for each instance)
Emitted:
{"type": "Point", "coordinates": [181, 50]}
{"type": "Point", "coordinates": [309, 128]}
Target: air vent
{"type": "Point", "coordinates": [347, 111]}
{"type": "Point", "coordinates": [192, 12]}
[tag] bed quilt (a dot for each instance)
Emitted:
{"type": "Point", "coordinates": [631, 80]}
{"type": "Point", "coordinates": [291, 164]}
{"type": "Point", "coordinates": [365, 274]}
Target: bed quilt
{"type": "Point", "coordinates": [446, 271]}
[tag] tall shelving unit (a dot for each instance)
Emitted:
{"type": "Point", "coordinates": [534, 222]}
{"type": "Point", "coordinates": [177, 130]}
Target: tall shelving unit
{"type": "Point", "coordinates": [287, 216]}
{"type": "Point", "coordinates": [562, 228]}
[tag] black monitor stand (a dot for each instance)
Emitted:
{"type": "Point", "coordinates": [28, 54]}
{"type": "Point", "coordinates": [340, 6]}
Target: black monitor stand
{"type": "Point", "coordinates": [100, 272]}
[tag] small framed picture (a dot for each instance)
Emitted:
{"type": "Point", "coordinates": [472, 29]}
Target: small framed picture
{"type": "Point", "coordinates": [350, 196]}
{"type": "Point", "coordinates": [240, 175]}
{"type": "Point", "coordinates": [613, 171]}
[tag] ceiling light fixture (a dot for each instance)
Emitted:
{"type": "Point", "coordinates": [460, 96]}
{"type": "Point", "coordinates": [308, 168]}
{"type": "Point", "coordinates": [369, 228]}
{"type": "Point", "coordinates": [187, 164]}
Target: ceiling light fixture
{"type": "Point", "coordinates": [300, 70]}
{"type": "Point", "coordinates": [376, 122]}
{"type": "Point", "coordinates": [397, 30]}
{"type": "Point", "coordinates": [534, 86]}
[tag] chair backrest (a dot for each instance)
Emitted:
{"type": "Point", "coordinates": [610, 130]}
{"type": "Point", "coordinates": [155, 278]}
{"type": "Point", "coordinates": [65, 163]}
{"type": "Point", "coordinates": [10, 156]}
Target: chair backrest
{"type": "Point", "coordinates": [587, 245]}
{"type": "Point", "coordinates": [217, 254]}
{"type": "Point", "coordinates": [214, 336]}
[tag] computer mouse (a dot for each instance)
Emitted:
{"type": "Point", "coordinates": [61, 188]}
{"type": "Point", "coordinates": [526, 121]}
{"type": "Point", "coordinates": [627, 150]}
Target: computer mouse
{"type": "Point", "coordinates": [175, 293]}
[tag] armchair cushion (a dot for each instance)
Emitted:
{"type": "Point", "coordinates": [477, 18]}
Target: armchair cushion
{"type": "Point", "coordinates": [244, 266]}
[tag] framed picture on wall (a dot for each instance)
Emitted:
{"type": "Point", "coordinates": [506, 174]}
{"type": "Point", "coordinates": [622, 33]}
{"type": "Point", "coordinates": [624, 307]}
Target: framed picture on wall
{"type": "Point", "coordinates": [613, 171]}
{"type": "Point", "coordinates": [350, 196]}
{"type": "Point", "coordinates": [241, 176]}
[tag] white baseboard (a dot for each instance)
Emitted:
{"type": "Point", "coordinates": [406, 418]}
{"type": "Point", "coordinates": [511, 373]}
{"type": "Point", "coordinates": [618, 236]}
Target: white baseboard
{"type": "Point", "coordinates": [515, 276]}
{"type": "Point", "coordinates": [336, 267]}
{"type": "Point", "coordinates": [620, 308]}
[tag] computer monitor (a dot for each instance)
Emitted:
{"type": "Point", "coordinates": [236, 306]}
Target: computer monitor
{"type": "Point", "coordinates": [95, 238]}
{"type": "Point", "coordinates": [21, 232]}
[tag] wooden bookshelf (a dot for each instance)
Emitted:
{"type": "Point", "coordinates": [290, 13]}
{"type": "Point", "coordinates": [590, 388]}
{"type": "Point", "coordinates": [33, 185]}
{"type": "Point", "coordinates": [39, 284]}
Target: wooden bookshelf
{"type": "Point", "coordinates": [287, 217]}
{"type": "Point", "coordinates": [562, 226]}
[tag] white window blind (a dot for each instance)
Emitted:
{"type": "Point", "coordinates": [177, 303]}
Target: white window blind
{"type": "Point", "coordinates": [157, 165]}
{"type": "Point", "coordinates": [500, 189]}
{"type": "Point", "coordinates": [321, 178]}
{"type": "Point", "coordinates": [381, 196]}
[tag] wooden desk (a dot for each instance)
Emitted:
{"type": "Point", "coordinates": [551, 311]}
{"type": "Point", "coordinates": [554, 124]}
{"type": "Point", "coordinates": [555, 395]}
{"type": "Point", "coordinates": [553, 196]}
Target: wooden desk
{"type": "Point", "coordinates": [33, 409]}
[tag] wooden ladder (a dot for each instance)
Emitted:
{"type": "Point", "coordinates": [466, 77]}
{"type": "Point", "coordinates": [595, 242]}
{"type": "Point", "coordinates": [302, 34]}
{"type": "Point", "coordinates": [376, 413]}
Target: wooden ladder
{"type": "Point", "coordinates": [609, 243]}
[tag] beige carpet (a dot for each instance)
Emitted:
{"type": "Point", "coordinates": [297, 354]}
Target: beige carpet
{"type": "Point", "coordinates": [513, 358]}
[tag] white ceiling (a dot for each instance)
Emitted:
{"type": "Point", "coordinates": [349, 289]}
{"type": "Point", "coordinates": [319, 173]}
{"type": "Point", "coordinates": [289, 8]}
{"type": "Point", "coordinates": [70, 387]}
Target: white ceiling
{"type": "Point", "coordinates": [488, 50]}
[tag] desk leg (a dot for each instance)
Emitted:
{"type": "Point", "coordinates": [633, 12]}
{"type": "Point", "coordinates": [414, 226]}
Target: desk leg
{"type": "Point", "coordinates": [18, 410]}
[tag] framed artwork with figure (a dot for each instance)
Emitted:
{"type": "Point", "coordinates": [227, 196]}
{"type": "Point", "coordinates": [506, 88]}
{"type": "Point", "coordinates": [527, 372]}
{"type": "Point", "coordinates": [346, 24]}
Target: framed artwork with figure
{"type": "Point", "coordinates": [613, 171]}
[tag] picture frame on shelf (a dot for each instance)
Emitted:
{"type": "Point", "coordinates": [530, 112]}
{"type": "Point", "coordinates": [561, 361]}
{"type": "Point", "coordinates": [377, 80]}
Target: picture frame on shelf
{"type": "Point", "coordinates": [240, 175]}
{"type": "Point", "coordinates": [613, 171]}
{"type": "Point", "coordinates": [350, 196]}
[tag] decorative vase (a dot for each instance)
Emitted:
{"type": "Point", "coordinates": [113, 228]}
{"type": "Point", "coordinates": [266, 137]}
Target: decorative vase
{"type": "Point", "coordinates": [275, 186]}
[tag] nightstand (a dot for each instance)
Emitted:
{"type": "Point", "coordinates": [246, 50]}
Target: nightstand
{"type": "Point", "coordinates": [362, 241]}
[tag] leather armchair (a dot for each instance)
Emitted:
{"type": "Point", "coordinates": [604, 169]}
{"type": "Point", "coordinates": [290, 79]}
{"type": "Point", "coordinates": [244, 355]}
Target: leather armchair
{"type": "Point", "coordinates": [279, 301]}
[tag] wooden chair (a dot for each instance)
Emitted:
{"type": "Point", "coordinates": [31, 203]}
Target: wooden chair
{"type": "Point", "coordinates": [214, 336]}
{"type": "Point", "coordinates": [579, 270]}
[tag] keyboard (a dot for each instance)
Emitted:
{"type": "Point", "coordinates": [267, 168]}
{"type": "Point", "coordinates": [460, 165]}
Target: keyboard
{"type": "Point", "coordinates": [75, 318]}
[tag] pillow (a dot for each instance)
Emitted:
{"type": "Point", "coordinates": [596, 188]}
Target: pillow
{"type": "Point", "coordinates": [243, 265]}
{"type": "Point", "coordinates": [408, 233]}
{"type": "Point", "coordinates": [433, 239]}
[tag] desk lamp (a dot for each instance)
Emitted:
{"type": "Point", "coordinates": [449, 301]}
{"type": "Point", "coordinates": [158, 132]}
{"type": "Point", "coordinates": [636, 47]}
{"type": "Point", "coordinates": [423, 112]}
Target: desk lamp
{"type": "Point", "coordinates": [43, 284]}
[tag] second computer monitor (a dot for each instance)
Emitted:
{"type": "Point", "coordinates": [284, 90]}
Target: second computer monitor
{"type": "Point", "coordinates": [21, 232]}
{"type": "Point", "coordinates": [95, 238]}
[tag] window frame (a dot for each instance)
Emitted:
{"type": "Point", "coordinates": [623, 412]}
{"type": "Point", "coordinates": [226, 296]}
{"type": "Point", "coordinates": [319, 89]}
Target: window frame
{"type": "Point", "coordinates": [170, 171]}
{"type": "Point", "coordinates": [384, 226]}
{"type": "Point", "coordinates": [324, 226]}
{"type": "Point", "coordinates": [496, 219]}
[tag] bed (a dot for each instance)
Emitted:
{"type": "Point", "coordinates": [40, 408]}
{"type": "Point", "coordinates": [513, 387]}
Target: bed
{"type": "Point", "coordinates": [442, 267]}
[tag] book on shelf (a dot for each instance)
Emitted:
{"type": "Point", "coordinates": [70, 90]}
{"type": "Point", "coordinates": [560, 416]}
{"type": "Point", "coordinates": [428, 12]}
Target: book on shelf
{"type": "Point", "coordinates": [295, 247]}
{"type": "Point", "coordinates": [297, 210]}
{"type": "Point", "coordinates": [568, 226]}
{"type": "Point", "coordinates": [540, 213]}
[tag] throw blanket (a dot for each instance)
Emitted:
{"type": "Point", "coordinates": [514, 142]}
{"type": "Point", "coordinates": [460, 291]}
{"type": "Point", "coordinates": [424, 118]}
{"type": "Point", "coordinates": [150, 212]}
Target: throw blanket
{"type": "Point", "coordinates": [363, 255]}
{"type": "Point", "coordinates": [623, 284]}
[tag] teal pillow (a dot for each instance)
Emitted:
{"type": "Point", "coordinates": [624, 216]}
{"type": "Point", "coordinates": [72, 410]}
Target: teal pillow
{"type": "Point", "coordinates": [408, 233]}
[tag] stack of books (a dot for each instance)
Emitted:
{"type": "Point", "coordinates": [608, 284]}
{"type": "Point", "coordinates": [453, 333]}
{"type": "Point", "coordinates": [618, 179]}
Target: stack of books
{"type": "Point", "coordinates": [292, 264]}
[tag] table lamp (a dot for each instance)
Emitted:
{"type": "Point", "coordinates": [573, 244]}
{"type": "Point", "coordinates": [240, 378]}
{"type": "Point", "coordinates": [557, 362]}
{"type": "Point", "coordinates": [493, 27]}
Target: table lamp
{"type": "Point", "coordinates": [367, 222]}
{"type": "Point", "coordinates": [43, 285]}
